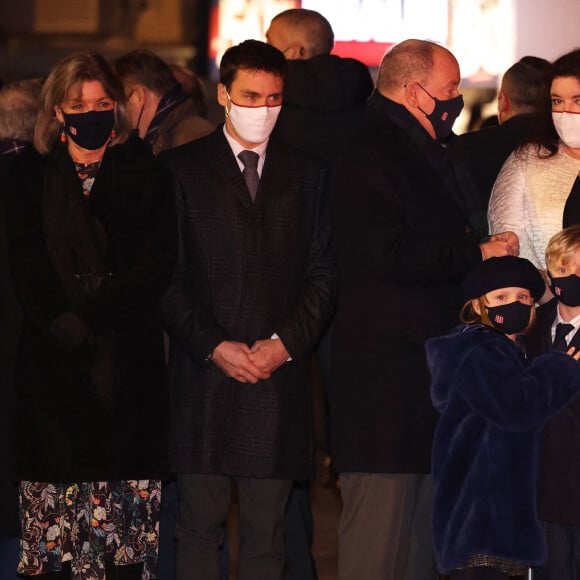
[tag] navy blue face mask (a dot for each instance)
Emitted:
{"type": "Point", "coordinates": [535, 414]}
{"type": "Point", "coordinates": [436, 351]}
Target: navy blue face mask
{"type": "Point", "coordinates": [510, 318]}
{"type": "Point", "coordinates": [444, 114]}
{"type": "Point", "coordinates": [566, 289]}
{"type": "Point", "coordinates": [90, 130]}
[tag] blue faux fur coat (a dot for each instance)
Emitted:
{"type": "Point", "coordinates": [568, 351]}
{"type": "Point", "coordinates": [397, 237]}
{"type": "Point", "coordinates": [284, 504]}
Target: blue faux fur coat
{"type": "Point", "coordinates": [493, 406]}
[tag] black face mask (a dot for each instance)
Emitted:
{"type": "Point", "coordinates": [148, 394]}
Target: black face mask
{"type": "Point", "coordinates": [90, 130]}
{"type": "Point", "coordinates": [510, 318]}
{"type": "Point", "coordinates": [566, 289]}
{"type": "Point", "coordinates": [444, 114]}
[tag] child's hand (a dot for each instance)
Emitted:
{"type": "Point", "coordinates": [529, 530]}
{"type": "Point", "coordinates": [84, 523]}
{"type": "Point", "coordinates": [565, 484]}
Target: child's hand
{"type": "Point", "coordinates": [575, 354]}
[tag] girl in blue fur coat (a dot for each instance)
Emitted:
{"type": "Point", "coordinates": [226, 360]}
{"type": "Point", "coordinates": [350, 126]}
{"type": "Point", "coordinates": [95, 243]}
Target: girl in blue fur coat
{"type": "Point", "coordinates": [493, 406]}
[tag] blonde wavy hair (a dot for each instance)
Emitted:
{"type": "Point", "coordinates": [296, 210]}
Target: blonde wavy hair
{"type": "Point", "coordinates": [66, 75]}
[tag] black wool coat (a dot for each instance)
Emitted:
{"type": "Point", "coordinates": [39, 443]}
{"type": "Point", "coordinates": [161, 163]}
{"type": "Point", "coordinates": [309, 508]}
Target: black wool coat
{"type": "Point", "coordinates": [10, 317]}
{"type": "Point", "coordinates": [402, 250]}
{"type": "Point", "coordinates": [325, 101]}
{"type": "Point", "coordinates": [246, 271]}
{"type": "Point", "coordinates": [558, 494]}
{"type": "Point", "coordinates": [90, 373]}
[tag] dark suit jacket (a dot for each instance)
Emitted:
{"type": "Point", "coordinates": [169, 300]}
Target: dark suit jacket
{"type": "Point", "coordinates": [479, 156]}
{"type": "Point", "coordinates": [558, 491]}
{"type": "Point", "coordinates": [246, 271]}
{"type": "Point", "coordinates": [402, 251]}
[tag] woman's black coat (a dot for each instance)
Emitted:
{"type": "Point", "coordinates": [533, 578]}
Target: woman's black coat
{"type": "Point", "coordinates": [90, 373]}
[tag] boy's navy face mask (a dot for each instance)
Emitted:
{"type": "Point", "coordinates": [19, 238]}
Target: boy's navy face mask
{"type": "Point", "coordinates": [566, 289]}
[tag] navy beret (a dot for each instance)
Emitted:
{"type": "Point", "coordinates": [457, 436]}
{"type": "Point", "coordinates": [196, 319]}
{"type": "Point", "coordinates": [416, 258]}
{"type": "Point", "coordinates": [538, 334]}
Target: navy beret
{"type": "Point", "coordinates": [503, 272]}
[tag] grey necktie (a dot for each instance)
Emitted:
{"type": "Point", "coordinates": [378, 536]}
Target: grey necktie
{"type": "Point", "coordinates": [250, 172]}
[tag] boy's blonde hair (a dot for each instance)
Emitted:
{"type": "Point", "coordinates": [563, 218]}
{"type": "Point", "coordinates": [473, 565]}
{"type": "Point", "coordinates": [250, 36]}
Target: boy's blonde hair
{"type": "Point", "coordinates": [562, 246]}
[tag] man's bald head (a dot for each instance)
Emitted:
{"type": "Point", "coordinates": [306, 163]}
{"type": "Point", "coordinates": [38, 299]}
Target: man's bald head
{"type": "Point", "coordinates": [300, 33]}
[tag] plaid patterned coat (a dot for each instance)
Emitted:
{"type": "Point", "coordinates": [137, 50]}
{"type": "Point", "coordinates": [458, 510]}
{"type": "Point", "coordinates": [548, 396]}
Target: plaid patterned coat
{"type": "Point", "coordinates": [245, 271]}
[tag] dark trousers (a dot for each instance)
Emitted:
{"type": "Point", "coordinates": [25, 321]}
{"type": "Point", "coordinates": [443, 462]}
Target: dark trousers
{"type": "Point", "coordinates": [166, 566]}
{"type": "Point", "coordinates": [299, 527]}
{"type": "Point", "coordinates": [385, 527]}
{"type": "Point", "coordinates": [9, 553]}
{"type": "Point", "coordinates": [563, 561]}
{"type": "Point", "coordinates": [205, 500]}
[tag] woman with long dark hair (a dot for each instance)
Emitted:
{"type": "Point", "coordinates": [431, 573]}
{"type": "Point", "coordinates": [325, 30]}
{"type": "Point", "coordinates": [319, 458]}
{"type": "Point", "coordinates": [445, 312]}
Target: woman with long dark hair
{"type": "Point", "coordinates": [537, 192]}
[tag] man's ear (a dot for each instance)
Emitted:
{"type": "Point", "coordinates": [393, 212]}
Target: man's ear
{"type": "Point", "coordinates": [412, 93]}
{"type": "Point", "coordinates": [222, 95]}
{"type": "Point", "coordinates": [295, 52]}
{"type": "Point", "coordinates": [140, 93]}
{"type": "Point", "coordinates": [503, 105]}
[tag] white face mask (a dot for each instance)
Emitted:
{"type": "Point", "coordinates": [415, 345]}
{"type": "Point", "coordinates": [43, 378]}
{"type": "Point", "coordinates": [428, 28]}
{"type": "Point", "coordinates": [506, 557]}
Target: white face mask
{"type": "Point", "coordinates": [567, 126]}
{"type": "Point", "coordinates": [253, 124]}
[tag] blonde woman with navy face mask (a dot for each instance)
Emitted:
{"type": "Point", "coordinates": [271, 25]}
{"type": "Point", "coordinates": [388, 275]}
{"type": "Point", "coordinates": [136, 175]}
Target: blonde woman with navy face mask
{"type": "Point", "coordinates": [91, 230]}
{"type": "Point", "coordinates": [537, 192]}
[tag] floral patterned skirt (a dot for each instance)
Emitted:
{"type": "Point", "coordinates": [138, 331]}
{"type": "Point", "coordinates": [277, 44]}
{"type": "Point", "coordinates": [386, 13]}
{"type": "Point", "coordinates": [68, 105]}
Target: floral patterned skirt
{"type": "Point", "coordinates": [88, 524]}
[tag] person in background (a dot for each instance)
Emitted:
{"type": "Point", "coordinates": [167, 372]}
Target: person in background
{"type": "Point", "coordinates": [556, 328]}
{"type": "Point", "coordinates": [165, 119]}
{"type": "Point", "coordinates": [325, 95]}
{"type": "Point", "coordinates": [324, 103]}
{"type": "Point", "coordinates": [192, 86]}
{"type": "Point", "coordinates": [479, 156]}
{"type": "Point", "coordinates": [92, 245]}
{"type": "Point", "coordinates": [18, 108]}
{"type": "Point", "coordinates": [402, 250]}
{"type": "Point", "coordinates": [493, 404]}
{"type": "Point", "coordinates": [159, 109]}
{"type": "Point", "coordinates": [252, 292]}
{"type": "Point", "coordinates": [537, 192]}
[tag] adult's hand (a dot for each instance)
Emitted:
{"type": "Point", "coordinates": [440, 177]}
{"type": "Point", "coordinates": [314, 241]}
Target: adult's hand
{"type": "Point", "coordinates": [269, 354]}
{"type": "Point", "coordinates": [504, 244]}
{"type": "Point", "coordinates": [233, 360]}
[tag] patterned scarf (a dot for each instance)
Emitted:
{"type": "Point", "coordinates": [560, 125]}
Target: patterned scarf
{"type": "Point", "coordinates": [170, 101]}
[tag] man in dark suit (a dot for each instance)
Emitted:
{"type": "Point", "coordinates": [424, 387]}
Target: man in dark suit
{"type": "Point", "coordinates": [252, 291]}
{"type": "Point", "coordinates": [402, 249]}
{"type": "Point", "coordinates": [479, 156]}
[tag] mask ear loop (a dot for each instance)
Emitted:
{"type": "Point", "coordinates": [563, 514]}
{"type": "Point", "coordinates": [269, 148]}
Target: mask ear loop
{"type": "Point", "coordinates": [428, 94]}
{"type": "Point", "coordinates": [140, 112]}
